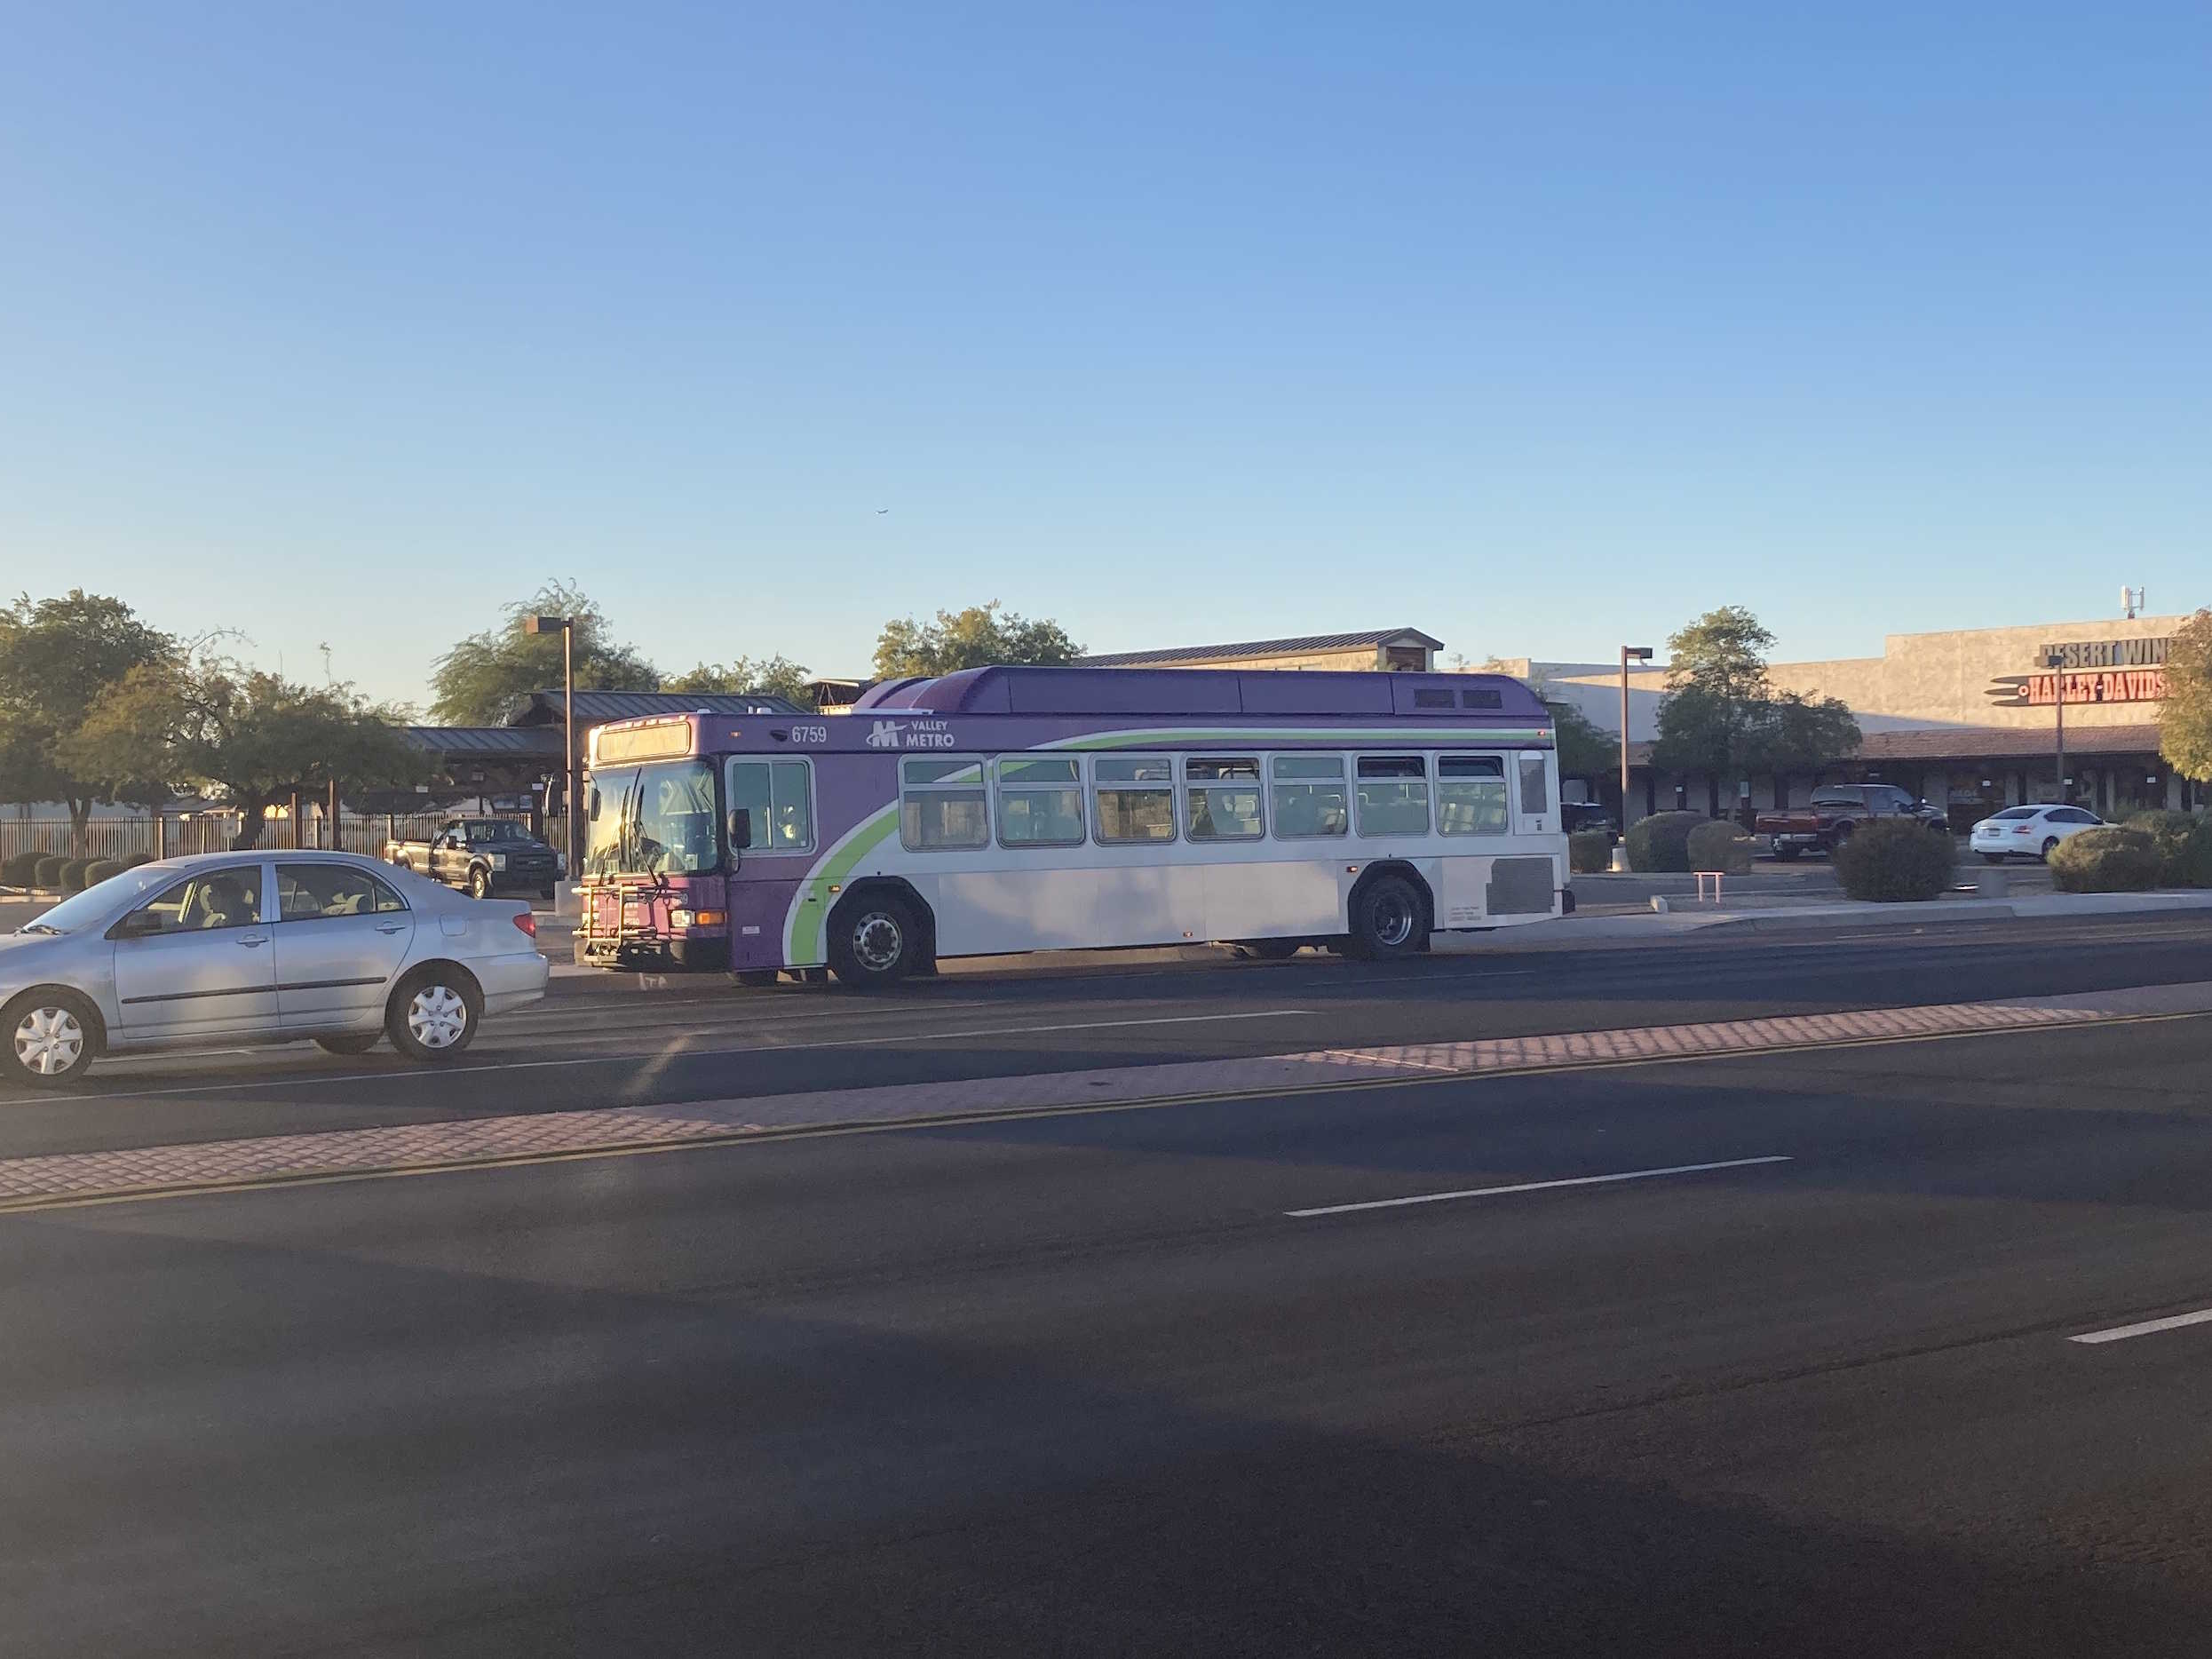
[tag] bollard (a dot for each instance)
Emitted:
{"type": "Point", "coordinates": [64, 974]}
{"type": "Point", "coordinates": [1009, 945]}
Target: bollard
{"type": "Point", "coordinates": [1995, 882]}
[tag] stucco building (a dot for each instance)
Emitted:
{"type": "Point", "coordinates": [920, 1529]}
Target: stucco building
{"type": "Point", "coordinates": [1966, 717]}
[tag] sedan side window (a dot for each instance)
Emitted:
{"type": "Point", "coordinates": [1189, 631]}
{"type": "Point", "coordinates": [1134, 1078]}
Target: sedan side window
{"type": "Point", "coordinates": [223, 898]}
{"type": "Point", "coordinates": [307, 893]}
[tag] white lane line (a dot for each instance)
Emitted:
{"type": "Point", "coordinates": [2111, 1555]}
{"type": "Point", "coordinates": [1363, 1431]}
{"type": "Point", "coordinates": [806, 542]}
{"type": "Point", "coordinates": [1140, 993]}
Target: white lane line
{"type": "Point", "coordinates": [314, 1079]}
{"type": "Point", "coordinates": [1538, 1186]}
{"type": "Point", "coordinates": [2149, 1327]}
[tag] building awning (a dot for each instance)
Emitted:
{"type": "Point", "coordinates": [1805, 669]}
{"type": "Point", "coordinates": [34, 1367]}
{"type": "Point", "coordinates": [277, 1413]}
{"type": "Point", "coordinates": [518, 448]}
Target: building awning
{"type": "Point", "coordinates": [1984, 742]}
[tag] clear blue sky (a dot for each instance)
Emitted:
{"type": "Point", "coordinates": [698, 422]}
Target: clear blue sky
{"type": "Point", "coordinates": [1541, 327]}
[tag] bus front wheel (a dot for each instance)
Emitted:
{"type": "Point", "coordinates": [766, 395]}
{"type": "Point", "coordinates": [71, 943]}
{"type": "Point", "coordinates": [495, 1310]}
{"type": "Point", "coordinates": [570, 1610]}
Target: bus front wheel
{"type": "Point", "coordinates": [874, 940]}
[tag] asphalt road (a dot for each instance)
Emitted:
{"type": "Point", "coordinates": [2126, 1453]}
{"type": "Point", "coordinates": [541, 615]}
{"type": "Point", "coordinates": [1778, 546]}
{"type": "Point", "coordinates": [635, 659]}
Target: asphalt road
{"type": "Point", "coordinates": [706, 1040]}
{"type": "Point", "coordinates": [1086, 1385]}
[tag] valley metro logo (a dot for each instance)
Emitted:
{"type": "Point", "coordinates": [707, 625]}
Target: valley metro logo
{"type": "Point", "coordinates": [884, 734]}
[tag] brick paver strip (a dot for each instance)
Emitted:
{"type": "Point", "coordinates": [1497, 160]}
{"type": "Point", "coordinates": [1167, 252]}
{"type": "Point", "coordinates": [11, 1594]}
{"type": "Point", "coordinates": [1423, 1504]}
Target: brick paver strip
{"type": "Point", "coordinates": [29, 1181]}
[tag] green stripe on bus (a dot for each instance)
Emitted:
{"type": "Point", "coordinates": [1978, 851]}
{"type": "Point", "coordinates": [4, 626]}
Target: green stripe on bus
{"type": "Point", "coordinates": [833, 870]}
{"type": "Point", "coordinates": [1260, 736]}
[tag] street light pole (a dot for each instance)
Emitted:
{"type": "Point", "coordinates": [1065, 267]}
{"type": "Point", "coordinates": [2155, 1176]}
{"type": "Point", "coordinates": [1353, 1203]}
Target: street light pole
{"type": "Point", "coordinates": [567, 627]}
{"type": "Point", "coordinates": [1642, 653]}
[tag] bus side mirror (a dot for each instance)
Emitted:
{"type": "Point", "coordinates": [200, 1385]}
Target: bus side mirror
{"type": "Point", "coordinates": [740, 829]}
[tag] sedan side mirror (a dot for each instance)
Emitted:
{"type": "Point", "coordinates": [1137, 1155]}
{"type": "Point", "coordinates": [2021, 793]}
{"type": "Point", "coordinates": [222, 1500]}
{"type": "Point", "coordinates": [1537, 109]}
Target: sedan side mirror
{"type": "Point", "coordinates": [740, 829]}
{"type": "Point", "coordinates": [137, 924]}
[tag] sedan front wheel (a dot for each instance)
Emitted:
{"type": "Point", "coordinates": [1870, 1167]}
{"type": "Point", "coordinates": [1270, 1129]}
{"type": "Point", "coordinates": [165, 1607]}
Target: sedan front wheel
{"type": "Point", "coordinates": [53, 1036]}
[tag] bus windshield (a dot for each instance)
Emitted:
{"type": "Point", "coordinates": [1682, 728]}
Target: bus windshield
{"type": "Point", "coordinates": [653, 820]}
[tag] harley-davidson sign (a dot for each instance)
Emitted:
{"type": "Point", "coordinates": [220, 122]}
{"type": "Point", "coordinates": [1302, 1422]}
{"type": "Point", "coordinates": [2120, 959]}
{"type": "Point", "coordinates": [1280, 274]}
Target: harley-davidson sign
{"type": "Point", "coordinates": [2095, 670]}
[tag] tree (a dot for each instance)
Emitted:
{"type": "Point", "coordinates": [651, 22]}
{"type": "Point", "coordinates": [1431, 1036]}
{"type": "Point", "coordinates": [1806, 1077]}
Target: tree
{"type": "Point", "coordinates": [57, 658]}
{"type": "Point", "coordinates": [1718, 696]}
{"type": "Point", "coordinates": [1803, 734]}
{"type": "Point", "coordinates": [202, 722]}
{"type": "Point", "coordinates": [2185, 721]}
{"type": "Point", "coordinates": [979, 637]}
{"type": "Point", "coordinates": [482, 676]}
{"type": "Point", "coordinates": [1586, 749]}
{"type": "Point", "coordinates": [778, 676]}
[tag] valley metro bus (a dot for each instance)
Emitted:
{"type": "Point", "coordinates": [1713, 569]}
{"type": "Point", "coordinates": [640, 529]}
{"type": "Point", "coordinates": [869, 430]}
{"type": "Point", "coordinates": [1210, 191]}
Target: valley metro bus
{"type": "Point", "coordinates": [999, 810]}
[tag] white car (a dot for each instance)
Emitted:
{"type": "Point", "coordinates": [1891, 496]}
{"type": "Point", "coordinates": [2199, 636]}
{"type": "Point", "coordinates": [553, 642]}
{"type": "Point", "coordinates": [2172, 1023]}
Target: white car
{"type": "Point", "coordinates": [2029, 831]}
{"type": "Point", "coordinates": [260, 946]}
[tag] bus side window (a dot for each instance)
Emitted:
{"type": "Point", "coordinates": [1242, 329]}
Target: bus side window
{"type": "Point", "coordinates": [791, 807]}
{"type": "Point", "coordinates": [941, 805]}
{"type": "Point", "coordinates": [1535, 786]}
{"type": "Point", "coordinates": [1393, 794]}
{"type": "Point", "coordinates": [1470, 794]}
{"type": "Point", "coordinates": [1136, 797]}
{"type": "Point", "coordinates": [1222, 798]}
{"type": "Point", "coordinates": [1040, 801]}
{"type": "Point", "coordinates": [1309, 796]}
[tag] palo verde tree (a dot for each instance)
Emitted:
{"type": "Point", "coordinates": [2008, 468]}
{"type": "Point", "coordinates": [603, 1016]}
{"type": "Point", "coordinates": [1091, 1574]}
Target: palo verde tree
{"type": "Point", "coordinates": [57, 658]}
{"type": "Point", "coordinates": [2184, 720]}
{"type": "Point", "coordinates": [478, 680]}
{"type": "Point", "coordinates": [204, 723]}
{"type": "Point", "coordinates": [979, 637]}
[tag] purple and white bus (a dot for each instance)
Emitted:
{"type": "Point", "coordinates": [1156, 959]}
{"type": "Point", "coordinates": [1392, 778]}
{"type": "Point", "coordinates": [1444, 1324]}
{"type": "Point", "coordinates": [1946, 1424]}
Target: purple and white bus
{"type": "Point", "coordinates": [1013, 809]}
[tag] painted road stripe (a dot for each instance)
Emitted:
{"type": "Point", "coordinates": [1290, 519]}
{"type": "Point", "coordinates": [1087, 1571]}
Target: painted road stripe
{"type": "Point", "coordinates": [1544, 1186]}
{"type": "Point", "coordinates": [2148, 1328]}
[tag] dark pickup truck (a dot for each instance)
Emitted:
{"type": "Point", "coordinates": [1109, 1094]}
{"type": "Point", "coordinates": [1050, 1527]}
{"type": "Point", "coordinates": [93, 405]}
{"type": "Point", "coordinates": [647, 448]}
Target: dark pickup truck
{"type": "Point", "coordinates": [484, 855]}
{"type": "Point", "coordinates": [1836, 811]}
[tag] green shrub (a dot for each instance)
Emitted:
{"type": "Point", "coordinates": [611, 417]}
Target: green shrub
{"type": "Point", "coordinates": [1892, 860]}
{"type": "Point", "coordinates": [2183, 841]}
{"type": "Point", "coordinates": [49, 871]}
{"type": "Point", "coordinates": [73, 875]}
{"type": "Point", "coordinates": [1661, 842]}
{"type": "Point", "coordinates": [1590, 851]}
{"type": "Point", "coordinates": [20, 870]}
{"type": "Point", "coordinates": [100, 870]}
{"type": "Point", "coordinates": [1721, 845]}
{"type": "Point", "coordinates": [2105, 860]}
{"type": "Point", "coordinates": [137, 858]}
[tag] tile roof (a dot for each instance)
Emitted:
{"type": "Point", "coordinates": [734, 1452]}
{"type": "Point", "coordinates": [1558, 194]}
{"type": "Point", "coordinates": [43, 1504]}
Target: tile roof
{"type": "Point", "coordinates": [501, 740]}
{"type": "Point", "coordinates": [1258, 647]}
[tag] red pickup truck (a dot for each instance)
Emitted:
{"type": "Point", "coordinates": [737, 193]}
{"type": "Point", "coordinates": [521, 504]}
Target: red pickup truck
{"type": "Point", "coordinates": [1838, 809]}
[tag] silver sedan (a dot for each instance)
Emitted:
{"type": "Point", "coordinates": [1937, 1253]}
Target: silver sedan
{"type": "Point", "coordinates": [261, 946]}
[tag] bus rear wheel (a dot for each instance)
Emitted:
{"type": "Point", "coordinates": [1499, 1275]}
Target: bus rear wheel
{"type": "Point", "coordinates": [874, 942]}
{"type": "Point", "coordinates": [1388, 919]}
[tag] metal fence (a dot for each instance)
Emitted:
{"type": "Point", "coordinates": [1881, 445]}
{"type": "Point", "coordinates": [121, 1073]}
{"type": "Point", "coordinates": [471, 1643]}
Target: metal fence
{"type": "Point", "coordinates": [211, 832]}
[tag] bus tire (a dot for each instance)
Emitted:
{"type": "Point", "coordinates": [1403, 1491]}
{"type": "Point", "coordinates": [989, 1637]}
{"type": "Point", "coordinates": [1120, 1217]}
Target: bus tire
{"type": "Point", "coordinates": [874, 940]}
{"type": "Point", "coordinates": [1388, 919]}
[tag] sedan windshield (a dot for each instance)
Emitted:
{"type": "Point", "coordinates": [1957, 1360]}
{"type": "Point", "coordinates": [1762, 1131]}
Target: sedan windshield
{"type": "Point", "coordinates": [2020, 812]}
{"type": "Point", "coordinates": [96, 904]}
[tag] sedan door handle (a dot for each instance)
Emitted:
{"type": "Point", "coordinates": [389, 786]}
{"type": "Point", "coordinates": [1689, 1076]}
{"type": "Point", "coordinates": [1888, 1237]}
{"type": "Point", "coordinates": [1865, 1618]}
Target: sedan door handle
{"type": "Point", "coordinates": [250, 940]}
{"type": "Point", "coordinates": [392, 927]}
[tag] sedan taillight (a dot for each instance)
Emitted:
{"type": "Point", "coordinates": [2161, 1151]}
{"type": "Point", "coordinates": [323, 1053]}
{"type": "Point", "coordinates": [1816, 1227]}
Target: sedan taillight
{"type": "Point", "coordinates": [527, 923]}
